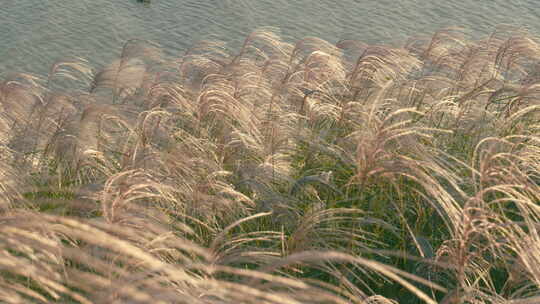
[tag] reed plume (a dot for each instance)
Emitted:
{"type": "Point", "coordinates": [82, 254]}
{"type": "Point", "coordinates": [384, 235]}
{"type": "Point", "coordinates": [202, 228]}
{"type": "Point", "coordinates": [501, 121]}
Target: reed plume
{"type": "Point", "coordinates": [277, 172]}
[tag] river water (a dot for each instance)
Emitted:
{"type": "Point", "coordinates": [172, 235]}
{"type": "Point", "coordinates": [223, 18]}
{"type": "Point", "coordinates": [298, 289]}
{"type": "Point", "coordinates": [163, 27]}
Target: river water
{"type": "Point", "coordinates": [36, 33]}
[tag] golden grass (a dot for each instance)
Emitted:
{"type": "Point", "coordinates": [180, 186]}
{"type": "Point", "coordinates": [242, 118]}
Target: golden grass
{"type": "Point", "coordinates": [281, 172]}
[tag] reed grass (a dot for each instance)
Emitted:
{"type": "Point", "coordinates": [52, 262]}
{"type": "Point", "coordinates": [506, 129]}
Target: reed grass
{"type": "Point", "coordinates": [279, 172]}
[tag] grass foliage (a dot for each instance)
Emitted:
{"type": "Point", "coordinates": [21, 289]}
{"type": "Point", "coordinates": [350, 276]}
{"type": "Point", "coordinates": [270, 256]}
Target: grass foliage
{"type": "Point", "coordinates": [278, 172]}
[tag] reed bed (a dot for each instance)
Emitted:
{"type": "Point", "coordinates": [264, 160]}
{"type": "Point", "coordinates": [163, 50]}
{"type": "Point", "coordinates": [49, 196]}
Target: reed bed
{"type": "Point", "coordinates": [276, 172]}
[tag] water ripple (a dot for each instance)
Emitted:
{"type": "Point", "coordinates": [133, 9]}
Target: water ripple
{"type": "Point", "coordinates": [34, 34]}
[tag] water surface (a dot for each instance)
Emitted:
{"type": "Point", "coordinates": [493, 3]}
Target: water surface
{"type": "Point", "coordinates": [36, 33]}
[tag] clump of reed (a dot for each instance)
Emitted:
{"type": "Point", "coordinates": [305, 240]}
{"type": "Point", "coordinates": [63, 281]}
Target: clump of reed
{"type": "Point", "coordinates": [278, 172]}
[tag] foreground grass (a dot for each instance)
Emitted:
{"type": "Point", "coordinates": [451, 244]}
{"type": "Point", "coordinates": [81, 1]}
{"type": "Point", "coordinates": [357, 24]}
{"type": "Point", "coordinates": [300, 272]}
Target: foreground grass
{"type": "Point", "coordinates": [276, 173]}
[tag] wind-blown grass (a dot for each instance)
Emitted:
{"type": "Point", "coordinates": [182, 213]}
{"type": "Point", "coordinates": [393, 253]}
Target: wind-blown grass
{"type": "Point", "coordinates": [279, 172]}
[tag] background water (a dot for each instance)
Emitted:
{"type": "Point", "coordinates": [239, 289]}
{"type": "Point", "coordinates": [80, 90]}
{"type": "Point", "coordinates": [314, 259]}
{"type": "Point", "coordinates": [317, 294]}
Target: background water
{"type": "Point", "coordinates": [36, 33]}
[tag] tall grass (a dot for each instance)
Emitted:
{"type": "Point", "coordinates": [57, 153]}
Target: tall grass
{"type": "Point", "coordinates": [279, 172]}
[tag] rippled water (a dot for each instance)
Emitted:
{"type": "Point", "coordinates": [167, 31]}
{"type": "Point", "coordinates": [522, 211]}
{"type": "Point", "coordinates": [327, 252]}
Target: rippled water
{"type": "Point", "coordinates": [36, 33]}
